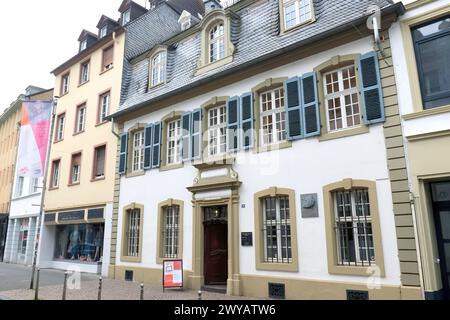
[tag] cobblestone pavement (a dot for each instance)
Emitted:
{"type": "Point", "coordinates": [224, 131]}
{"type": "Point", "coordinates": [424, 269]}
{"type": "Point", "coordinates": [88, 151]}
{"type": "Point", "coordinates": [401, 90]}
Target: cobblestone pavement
{"type": "Point", "coordinates": [113, 290]}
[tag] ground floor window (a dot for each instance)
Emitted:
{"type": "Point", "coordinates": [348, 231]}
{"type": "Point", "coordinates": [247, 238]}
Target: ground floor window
{"type": "Point", "coordinates": [133, 232]}
{"type": "Point", "coordinates": [23, 236]}
{"type": "Point", "coordinates": [79, 242]}
{"type": "Point", "coordinates": [171, 226]}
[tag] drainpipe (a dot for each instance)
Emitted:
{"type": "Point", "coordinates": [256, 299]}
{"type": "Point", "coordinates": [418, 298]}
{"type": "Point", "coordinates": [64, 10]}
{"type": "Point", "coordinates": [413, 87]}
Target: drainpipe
{"type": "Point", "coordinates": [112, 129]}
{"type": "Point", "coordinates": [416, 236]}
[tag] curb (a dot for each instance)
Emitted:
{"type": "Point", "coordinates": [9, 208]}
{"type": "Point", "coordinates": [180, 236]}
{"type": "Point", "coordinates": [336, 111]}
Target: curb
{"type": "Point", "coordinates": [5, 298]}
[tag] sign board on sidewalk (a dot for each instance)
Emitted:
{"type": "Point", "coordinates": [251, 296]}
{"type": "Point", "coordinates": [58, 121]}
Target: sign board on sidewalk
{"type": "Point", "coordinates": [173, 274]}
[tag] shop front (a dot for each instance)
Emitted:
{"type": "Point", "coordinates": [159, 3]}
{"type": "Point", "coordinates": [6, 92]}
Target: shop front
{"type": "Point", "coordinates": [20, 241]}
{"type": "Point", "coordinates": [74, 240]}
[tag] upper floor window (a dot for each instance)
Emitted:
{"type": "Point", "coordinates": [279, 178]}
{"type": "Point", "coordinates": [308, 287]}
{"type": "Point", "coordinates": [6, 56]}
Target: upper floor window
{"type": "Point", "coordinates": [54, 181]}
{"type": "Point", "coordinates": [432, 45]}
{"type": "Point", "coordinates": [174, 142]}
{"type": "Point", "coordinates": [126, 17]}
{"type": "Point", "coordinates": [138, 150]}
{"type": "Point", "coordinates": [216, 43]}
{"type": "Point", "coordinates": [158, 73]}
{"type": "Point", "coordinates": [99, 162]}
{"type": "Point", "coordinates": [34, 185]}
{"type": "Point", "coordinates": [107, 59]}
{"type": "Point", "coordinates": [103, 32]}
{"type": "Point", "coordinates": [81, 119]}
{"type": "Point", "coordinates": [60, 124]}
{"type": "Point", "coordinates": [217, 130]}
{"type": "Point", "coordinates": [296, 12]}
{"type": "Point", "coordinates": [83, 45]}
{"type": "Point", "coordinates": [65, 84]}
{"type": "Point", "coordinates": [342, 99]}
{"type": "Point", "coordinates": [273, 116]}
{"type": "Point", "coordinates": [19, 186]}
{"type": "Point", "coordinates": [84, 72]}
{"type": "Point", "coordinates": [75, 172]}
{"type": "Point", "coordinates": [104, 107]}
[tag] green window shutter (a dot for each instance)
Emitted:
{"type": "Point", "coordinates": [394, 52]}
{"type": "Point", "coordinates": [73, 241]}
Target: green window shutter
{"type": "Point", "coordinates": [156, 156]}
{"type": "Point", "coordinates": [196, 134]}
{"type": "Point", "coordinates": [247, 121]}
{"type": "Point", "coordinates": [233, 124]}
{"type": "Point", "coordinates": [186, 136]}
{"type": "Point", "coordinates": [148, 147]}
{"type": "Point", "coordinates": [123, 154]}
{"type": "Point", "coordinates": [371, 90]}
{"type": "Point", "coordinates": [294, 123]}
{"type": "Point", "coordinates": [310, 103]}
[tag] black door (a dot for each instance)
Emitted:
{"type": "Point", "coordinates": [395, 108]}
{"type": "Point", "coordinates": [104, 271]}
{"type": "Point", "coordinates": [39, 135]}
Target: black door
{"type": "Point", "coordinates": [441, 195]}
{"type": "Point", "coordinates": [3, 231]}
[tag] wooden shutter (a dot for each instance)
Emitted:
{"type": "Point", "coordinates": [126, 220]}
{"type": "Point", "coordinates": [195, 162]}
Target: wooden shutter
{"type": "Point", "coordinates": [371, 90]}
{"type": "Point", "coordinates": [186, 136]}
{"type": "Point", "coordinates": [310, 104]}
{"type": "Point", "coordinates": [233, 124]}
{"type": "Point", "coordinates": [148, 144]}
{"type": "Point", "coordinates": [294, 121]}
{"type": "Point", "coordinates": [123, 153]}
{"type": "Point", "coordinates": [196, 134]}
{"type": "Point", "coordinates": [247, 120]}
{"type": "Point", "coordinates": [156, 156]}
{"type": "Point", "coordinates": [108, 55]}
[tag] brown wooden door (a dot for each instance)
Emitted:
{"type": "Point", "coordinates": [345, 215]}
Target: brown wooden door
{"type": "Point", "coordinates": [216, 253]}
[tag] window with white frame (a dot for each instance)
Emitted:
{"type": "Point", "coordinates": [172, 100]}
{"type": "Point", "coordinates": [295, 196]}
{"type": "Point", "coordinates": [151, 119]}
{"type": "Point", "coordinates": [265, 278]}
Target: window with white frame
{"type": "Point", "coordinates": [133, 232]}
{"type": "Point", "coordinates": [126, 17]}
{"type": "Point", "coordinates": [103, 32]}
{"type": "Point", "coordinates": [19, 186]}
{"type": "Point", "coordinates": [34, 185]}
{"type": "Point", "coordinates": [75, 173]}
{"type": "Point", "coordinates": [84, 72]}
{"type": "Point", "coordinates": [296, 12]}
{"type": "Point", "coordinates": [170, 232]}
{"type": "Point", "coordinates": [341, 98]}
{"type": "Point", "coordinates": [55, 174]}
{"type": "Point", "coordinates": [81, 119]}
{"type": "Point", "coordinates": [138, 150]}
{"type": "Point", "coordinates": [217, 43]}
{"type": "Point", "coordinates": [60, 127]}
{"type": "Point", "coordinates": [65, 84]}
{"type": "Point", "coordinates": [174, 136]}
{"type": "Point", "coordinates": [159, 62]}
{"type": "Point", "coordinates": [353, 228]}
{"type": "Point", "coordinates": [83, 45]}
{"type": "Point", "coordinates": [104, 107]}
{"type": "Point", "coordinates": [273, 116]}
{"type": "Point", "coordinates": [277, 230]}
{"type": "Point", "coordinates": [217, 130]}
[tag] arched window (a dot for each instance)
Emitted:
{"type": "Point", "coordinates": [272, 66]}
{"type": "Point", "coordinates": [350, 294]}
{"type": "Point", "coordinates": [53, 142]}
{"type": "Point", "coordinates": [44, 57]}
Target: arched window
{"type": "Point", "coordinates": [216, 43]}
{"type": "Point", "coordinates": [159, 62]}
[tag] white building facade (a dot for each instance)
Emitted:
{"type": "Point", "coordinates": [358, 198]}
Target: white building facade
{"type": "Point", "coordinates": [264, 163]}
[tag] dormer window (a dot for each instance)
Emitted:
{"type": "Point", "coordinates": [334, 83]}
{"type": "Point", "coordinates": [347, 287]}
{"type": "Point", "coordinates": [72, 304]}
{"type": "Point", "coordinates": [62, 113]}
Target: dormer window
{"type": "Point", "coordinates": [103, 32]}
{"type": "Point", "coordinates": [296, 12]}
{"type": "Point", "coordinates": [185, 20]}
{"type": "Point", "coordinates": [126, 17]}
{"type": "Point", "coordinates": [158, 73]}
{"type": "Point", "coordinates": [216, 43]}
{"type": "Point", "coordinates": [83, 45]}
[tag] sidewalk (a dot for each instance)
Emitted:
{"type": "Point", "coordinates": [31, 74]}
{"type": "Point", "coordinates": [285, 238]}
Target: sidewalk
{"type": "Point", "coordinates": [113, 290]}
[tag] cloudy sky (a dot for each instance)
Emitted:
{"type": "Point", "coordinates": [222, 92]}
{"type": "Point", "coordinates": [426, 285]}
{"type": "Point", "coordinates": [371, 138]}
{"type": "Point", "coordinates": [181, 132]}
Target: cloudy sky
{"type": "Point", "coordinates": [41, 35]}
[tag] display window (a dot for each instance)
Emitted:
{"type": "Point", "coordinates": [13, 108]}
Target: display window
{"type": "Point", "coordinates": [81, 243]}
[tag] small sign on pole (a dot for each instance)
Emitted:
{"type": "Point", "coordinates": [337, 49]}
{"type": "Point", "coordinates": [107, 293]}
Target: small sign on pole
{"type": "Point", "coordinates": [173, 274]}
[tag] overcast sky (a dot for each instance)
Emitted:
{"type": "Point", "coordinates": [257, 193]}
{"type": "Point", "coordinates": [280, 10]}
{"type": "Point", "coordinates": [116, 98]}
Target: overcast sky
{"type": "Point", "coordinates": [40, 35]}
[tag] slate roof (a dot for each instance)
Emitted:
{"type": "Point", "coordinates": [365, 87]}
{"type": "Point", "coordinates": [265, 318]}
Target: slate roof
{"type": "Point", "coordinates": [255, 34]}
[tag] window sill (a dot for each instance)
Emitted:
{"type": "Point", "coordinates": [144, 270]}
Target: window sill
{"type": "Point", "coordinates": [160, 260]}
{"type": "Point", "coordinates": [131, 259]}
{"type": "Point", "coordinates": [211, 66]}
{"type": "Point", "coordinates": [157, 85]}
{"type": "Point", "coordinates": [78, 133]}
{"type": "Point", "coordinates": [284, 267]}
{"type": "Point", "coordinates": [98, 179]}
{"type": "Point", "coordinates": [135, 174]}
{"type": "Point", "coordinates": [225, 158]}
{"type": "Point", "coordinates": [355, 271]}
{"type": "Point", "coordinates": [106, 70]}
{"type": "Point", "coordinates": [171, 167]}
{"type": "Point", "coordinates": [426, 113]}
{"type": "Point", "coordinates": [63, 94]}
{"type": "Point", "coordinates": [58, 141]}
{"type": "Point", "coordinates": [53, 188]}
{"type": "Point", "coordinates": [101, 124]}
{"type": "Point", "coordinates": [297, 26]}
{"type": "Point", "coordinates": [274, 147]}
{"type": "Point", "coordinates": [73, 184]}
{"type": "Point", "coordinates": [344, 133]}
{"type": "Point", "coordinates": [82, 84]}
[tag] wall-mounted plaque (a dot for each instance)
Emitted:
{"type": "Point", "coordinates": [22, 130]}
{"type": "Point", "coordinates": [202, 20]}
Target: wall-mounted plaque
{"type": "Point", "coordinates": [247, 239]}
{"type": "Point", "coordinates": [310, 208]}
{"type": "Point", "coordinates": [71, 216]}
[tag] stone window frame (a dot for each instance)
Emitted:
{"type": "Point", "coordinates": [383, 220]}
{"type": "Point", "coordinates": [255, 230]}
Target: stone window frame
{"type": "Point", "coordinates": [151, 55]}
{"type": "Point", "coordinates": [332, 254]}
{"type": "Point", "coordinates": [129, 172]}
{"type": "Point", "coordinates": [411, 62]}
{"type": "Point", "coordinates": [160, 240]}
{"type": "Point", "coordinates": [335, 63]}
{"type": "Point", "coordinates": [210, 21]}
{"type": "Point", "coordinates": [259, 241]}
{"type": "Point", "coordinates": [267, 85]}
{"type": "Point", "coordinates": [297, 26]}
{"type": "Point", "coordinates": [173, 116]}
{"type": "Point", "coordinates": [123, 257]}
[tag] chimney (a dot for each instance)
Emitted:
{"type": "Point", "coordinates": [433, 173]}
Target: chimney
{"type": "Point", "coordinates": [211, 5]}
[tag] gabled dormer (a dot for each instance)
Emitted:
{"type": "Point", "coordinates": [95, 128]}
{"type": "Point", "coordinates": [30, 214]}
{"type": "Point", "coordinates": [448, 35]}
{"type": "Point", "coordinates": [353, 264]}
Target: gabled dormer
{"type": "Point", "coordinates": [129, 11]}
{"type": "Point", "coordinates": [106, 26]}
{"type": "Point", "coordinates": [86, 39]}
